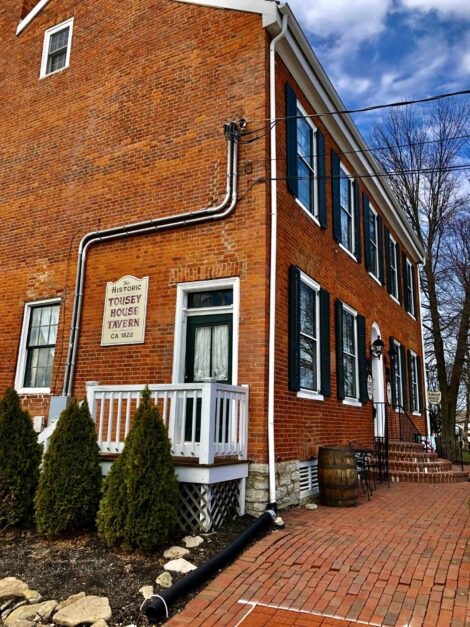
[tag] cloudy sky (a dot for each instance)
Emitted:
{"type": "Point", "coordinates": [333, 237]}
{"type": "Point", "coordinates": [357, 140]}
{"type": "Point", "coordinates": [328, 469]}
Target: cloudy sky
{"type": "Point", "coordinates": [378, 51]}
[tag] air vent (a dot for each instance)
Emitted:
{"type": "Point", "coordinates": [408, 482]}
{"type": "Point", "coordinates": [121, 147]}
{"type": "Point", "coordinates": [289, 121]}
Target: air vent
{"type": "Point", "coordinates": [308, 478]}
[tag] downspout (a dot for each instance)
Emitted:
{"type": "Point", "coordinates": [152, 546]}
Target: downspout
{"type": "Point", "coordinates": [425, 379]}
{"type": "Point", "coordinates": [272, 279]}
{"type": "Point", "coordinates": [219, 212]}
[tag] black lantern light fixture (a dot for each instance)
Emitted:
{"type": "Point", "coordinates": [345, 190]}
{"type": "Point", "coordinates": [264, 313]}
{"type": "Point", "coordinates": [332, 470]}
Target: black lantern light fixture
{"type": "Point", "coordinates": [377, 347]}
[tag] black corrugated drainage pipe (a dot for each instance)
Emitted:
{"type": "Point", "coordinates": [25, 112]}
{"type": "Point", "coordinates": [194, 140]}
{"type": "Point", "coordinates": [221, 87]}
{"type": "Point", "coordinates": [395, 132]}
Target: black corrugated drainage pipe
{"type": "Point", "coordinates": [157, 606]}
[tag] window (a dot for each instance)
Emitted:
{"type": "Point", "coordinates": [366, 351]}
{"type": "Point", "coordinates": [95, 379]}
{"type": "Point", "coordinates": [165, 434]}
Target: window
{"type": "Point", "coordinates": [394, 268]}
{"type": "Point", "coordinates": [350, 355]}
{"type": "Point", "coordinates": [347, 211]}
{"type": "Point", "coordinates": [398, 371]}
{"type": "Point", "coordinates": [414, 384]}
{"type": "Point", "coordinates": [409, 281]}
{"type": "Point", "coordinates": [37, 347]}
{"type": "Point", "coordinates": [374, 243]}
{"type": "Point", "coordinates": [306, 193]}
{"type": "Point", "coordinates": [56, 50]}
{"type": "Point", "coordinates": [351, 358]}
{"type": "Point", "coordinates": [309, 336]}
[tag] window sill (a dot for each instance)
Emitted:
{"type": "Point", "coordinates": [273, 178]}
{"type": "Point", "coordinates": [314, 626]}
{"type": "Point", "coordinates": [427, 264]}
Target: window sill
{"type": "Point", "coordinates": [311, 215]}
{"type": "Point", "coordinates": [62, 69]}
{"type": "Point", "coordinates": [395, 299]}
{"type": "Point", "coordinates": [352, 402]}
{"type": "Point", "coordinates": [412, 316]}
{"type": "Point", "coordinates": [347, 251]}
{"type": "Point", "coordinates": [416, 413]}
{"type": "Point", "coordinates": [375, 279]}
{"type": "Point", "coordinates": [33, 390]}
{"type": "Point", "coordinates": [309, 394]}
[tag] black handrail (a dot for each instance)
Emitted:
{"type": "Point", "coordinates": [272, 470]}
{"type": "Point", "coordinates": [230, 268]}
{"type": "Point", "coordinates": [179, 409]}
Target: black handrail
{"type": "Point", "coordinates": [450, 448]}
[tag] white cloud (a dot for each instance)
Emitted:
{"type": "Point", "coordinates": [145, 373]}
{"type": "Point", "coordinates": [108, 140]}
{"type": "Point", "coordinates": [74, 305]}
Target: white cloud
{"type": "Point", "coordinates": [350, 22]}
{"type": "Point", "coordinates": [445, 8]}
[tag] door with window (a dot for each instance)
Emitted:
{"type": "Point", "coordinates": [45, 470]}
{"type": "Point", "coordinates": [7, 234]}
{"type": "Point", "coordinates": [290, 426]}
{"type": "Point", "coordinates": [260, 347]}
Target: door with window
{"type": "Point", "coordinates": [208, 349]}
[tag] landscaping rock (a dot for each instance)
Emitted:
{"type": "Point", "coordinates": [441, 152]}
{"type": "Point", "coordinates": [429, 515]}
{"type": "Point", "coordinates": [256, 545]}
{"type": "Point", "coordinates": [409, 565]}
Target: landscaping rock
{"type": "Point", "coordinates": [175, 552]}
{"type": "Point", "coordinates": [146, 591]}
{"type": "Point", "coordinates": [100, 623]}
{"type": "Point", "coordinates": [23, 623]}
{"type": "Point", "coordinates": [70, 600]}
{"type": "Point", "coordinates": [311, 506]}
{"type": "Point", "coordinates": [87, 610]}
{"type": "Point", "coordinates": [191, 542]}
{"type": "Point", "coordinates": [7, 608]}
{"type": "Point", "coordinates": [179, 566]}
{"type": "Point", "coordinates": [165, 580]}
{"type": "Point", "coordinates": [34, 612]}
{"type": "Point", "coordinates": [11, 587]}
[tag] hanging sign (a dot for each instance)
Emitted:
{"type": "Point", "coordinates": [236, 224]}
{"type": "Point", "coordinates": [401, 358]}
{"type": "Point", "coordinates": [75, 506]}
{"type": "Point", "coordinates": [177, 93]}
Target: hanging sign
{"type": "Point", "coordinates": [434, 398]}
{"type": "Point", "coordinates": [125, 310]}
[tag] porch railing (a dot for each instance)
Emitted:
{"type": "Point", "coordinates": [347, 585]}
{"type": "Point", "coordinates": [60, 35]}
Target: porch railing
{"type": "Point", "coordinates": [206, 420]}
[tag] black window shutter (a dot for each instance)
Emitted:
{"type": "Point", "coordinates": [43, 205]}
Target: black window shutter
{"type": "Point", "coordinates": [419, 374]}
{"type": "Point", "coordinates": [325, 364]}
{"type": "Point", "coordinates": [366, 213]}
{"type": "Point", "coordinates": [399, 281]}
{"type": "Point", "coordinates": [291, 140]}
{"type": "Point", "coordinates": [357, 221]}
{"type": "Point", "coordinates": [362, 358]}
{"type": "Point", "coordinates": [403, 377]}
{"type": "Point", "coordinates": [387, 259]}
{"type": "Point", "coordinates": [406, 295]}
{"type": "Point", "coordinates": [410, 379]}
{"type": "Point", "coordinates": [335, 191]}
{"type": "Point", "coordinates": [294, 329]}
{"type": "Point", "coordinates": [393, 371]}
{"type": "Point", "coordinates": [380, 244]}
{"type": "Point", "coordinates": [321, 173]}
{"type": "Point", "coordinates": [339, 350]}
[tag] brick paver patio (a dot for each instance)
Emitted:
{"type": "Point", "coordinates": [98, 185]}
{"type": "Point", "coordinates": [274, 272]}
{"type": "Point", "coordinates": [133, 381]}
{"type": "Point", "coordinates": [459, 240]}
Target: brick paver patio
{"type": "Point", "coordinates": [402, 559]}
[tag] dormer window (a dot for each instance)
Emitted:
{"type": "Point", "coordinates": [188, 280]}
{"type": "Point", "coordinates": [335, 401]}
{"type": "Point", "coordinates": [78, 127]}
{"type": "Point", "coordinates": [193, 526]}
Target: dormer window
{"type": "Point", "coordinates": [56, 51]}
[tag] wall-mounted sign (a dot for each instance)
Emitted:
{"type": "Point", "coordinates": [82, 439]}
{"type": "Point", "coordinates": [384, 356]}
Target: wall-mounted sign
{"type": "Point", "coordinates": [370, 387]}
{"type": "Point", "coordinates": [125, 309]}
{"type": "Point", "coordinates": [434, 398]}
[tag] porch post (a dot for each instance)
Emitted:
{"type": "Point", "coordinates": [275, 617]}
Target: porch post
{"type": "Point", "coordinates": [208, 416]}
{"type": "Point", "coordinates": [90, 397]}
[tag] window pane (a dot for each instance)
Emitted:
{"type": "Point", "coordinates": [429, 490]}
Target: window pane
{"type": "Point", "coordinates": [346, 230]}
{"type": "Point", "coordinates": [304, 141]}
{"type": "Point", "coordinates": [308, 363]}
{"type": "Point", "coordinates": [220, 352]}
{"type": "Point", "coordinates": [305, 183]}
{"type": "Point", "coordinates": [216, 298]}
{"type": "Point", "coordinates": [350, 376]}
{"type": "Point", "coordinates": [345, 193]}
{"type": "Point", "coordinates": [307, 310]}
{"type": "Point", "coordinates": [41, 345]}
{"type": "Point", "coordinates": [348, 333]}
{"type": "Point", "coordinates": [59, 40]}
{"type": "Point", "coordinates": [56, 62]}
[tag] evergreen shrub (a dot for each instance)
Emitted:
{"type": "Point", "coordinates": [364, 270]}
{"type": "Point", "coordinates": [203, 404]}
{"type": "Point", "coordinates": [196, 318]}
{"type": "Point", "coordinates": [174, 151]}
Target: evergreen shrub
{"type": "Point", "coordinates": [140, 500]}
{"type": "Point", "coordinates": [20, 457]}
{"type": "Point", "coordinates": [70, 484]}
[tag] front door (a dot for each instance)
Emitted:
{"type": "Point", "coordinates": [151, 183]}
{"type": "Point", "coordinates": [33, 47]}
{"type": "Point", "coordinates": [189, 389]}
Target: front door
{"type": "Point", "coordinates": [208, 356]}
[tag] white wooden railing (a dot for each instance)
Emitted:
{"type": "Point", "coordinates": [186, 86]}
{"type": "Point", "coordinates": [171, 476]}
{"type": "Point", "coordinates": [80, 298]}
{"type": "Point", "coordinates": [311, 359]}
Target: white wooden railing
{"type": "Point", "coordinates": [204, 420]}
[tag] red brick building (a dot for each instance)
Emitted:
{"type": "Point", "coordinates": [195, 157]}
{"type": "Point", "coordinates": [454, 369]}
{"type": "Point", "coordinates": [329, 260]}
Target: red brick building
{"type": "Point", "coordinates": [175, 213]}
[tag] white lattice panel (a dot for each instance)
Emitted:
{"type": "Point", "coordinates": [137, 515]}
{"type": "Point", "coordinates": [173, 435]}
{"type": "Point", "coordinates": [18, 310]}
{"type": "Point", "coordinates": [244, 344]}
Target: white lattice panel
{"type": "Point", "coordinates": [205, 507]}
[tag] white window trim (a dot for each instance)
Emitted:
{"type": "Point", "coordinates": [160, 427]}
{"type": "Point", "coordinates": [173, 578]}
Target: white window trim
{"type": "Point", "coordinates": [375, 272]}
{"type": "Point", "coordinates": [22, 354]}
{"type": "Point", "coordinates": [394, 252]}
{"type": "Point", "coordinates": [349, 400]}
{"type": "Point", "coordinates": [45, 50]}
{"type": "Point", "coordinates": [305, 392]}
{"type": "Point", "coordinates": [414, 356]}
{"type": "Point", "coordinates": [399, 368]}
{"type": "Point", "coordinates": [351, 253]}
{"type": "Point", "coordinates": [313, 214]}
{"type": "Point", "coordinates": [182, 313]}
{"type": "Point", "coordinates": [309, 213]}
{"type": "Point", "coordinates": [411, 279]}
{"type": "Point", "coordinates": [375, 279]}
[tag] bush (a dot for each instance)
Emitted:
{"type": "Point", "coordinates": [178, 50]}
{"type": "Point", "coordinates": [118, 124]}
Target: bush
{"type": "Point", "coordinates": [20, 456]}
{"type": "Point", "coordinates": [70, 484]}
{"type": "Point", "coordinates": [140, 501]}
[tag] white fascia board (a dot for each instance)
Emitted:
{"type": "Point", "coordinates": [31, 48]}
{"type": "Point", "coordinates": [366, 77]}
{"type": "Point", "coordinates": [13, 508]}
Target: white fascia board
{"type": "Point", "coordinates": [266, 8]}
{"type": "Point", "coordinates": [31, 15]}
{"type": "Point", "coordinates": [302, 62]}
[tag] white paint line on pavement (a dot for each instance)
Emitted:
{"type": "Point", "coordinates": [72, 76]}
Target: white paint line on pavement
{"type": "Point", "coordinates": [293, 609]}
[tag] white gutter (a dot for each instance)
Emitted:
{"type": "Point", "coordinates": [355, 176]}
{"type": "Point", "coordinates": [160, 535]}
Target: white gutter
{"type": "Point", "coordinates": [272, 280]}
{"type": "Point", "coordinates": [425, 379]}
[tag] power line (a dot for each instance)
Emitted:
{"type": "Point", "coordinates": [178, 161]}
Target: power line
{"type": "Point", "coordinates": [401, 103]}
{"type": "Point", "coordinates": [377, 148]}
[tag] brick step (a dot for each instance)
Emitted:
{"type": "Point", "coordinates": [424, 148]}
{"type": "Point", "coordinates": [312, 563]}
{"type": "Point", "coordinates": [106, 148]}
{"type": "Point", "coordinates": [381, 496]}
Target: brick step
{"type": "Point", "coordinates": [413, 456]}
{"type": "Point", "coordinates": [452, 476]}
{"type": "Point", "coordinates": [397, 446]}
{"type": "Point", "coordinates": [437, 465]}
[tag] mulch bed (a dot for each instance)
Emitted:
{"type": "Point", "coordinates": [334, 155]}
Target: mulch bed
{"type": "Point", "coordinates": [82, 562]}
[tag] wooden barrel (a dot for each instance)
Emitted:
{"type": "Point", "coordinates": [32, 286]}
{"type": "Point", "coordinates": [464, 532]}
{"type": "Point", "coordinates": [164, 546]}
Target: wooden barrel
{"type": "Point", "coordinates": [337, 476]}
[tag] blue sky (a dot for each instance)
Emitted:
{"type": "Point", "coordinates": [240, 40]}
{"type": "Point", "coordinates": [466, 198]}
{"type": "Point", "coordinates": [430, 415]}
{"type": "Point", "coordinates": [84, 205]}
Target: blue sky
{"type": "Point", "coordinates": [378, 51]}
